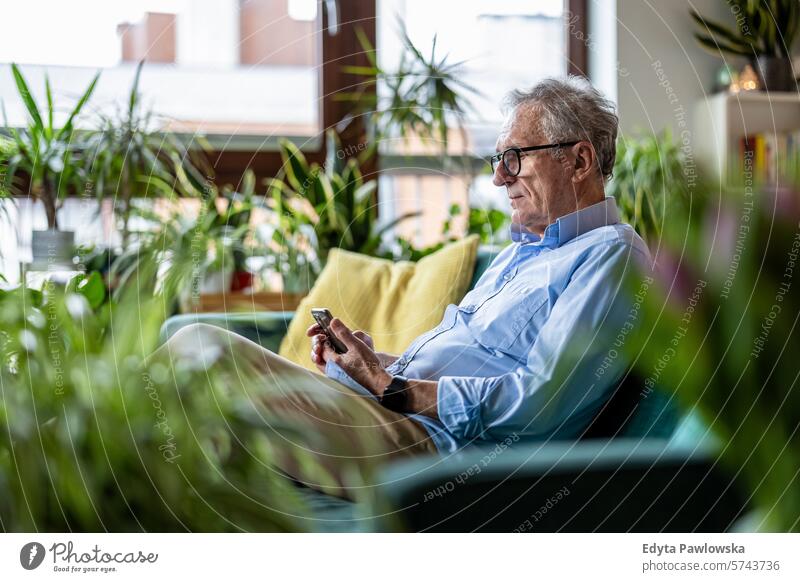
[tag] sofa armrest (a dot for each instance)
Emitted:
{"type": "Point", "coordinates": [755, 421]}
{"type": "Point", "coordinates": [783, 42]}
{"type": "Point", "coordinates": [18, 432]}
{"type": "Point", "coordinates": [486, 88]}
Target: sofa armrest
{"type": "Point", "coordinates": [616, 485]}
{"type": "Point", "coordinates": [266, 328]}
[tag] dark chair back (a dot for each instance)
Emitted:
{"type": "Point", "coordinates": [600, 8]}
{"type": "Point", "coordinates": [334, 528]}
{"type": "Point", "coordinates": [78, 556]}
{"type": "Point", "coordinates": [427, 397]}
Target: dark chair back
{"type": "Point", "coordinates": [634, 411]}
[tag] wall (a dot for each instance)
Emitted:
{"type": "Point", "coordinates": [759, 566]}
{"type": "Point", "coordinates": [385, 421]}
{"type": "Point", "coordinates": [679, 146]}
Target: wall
{"type": "Point", "coordinates": [661, 71]}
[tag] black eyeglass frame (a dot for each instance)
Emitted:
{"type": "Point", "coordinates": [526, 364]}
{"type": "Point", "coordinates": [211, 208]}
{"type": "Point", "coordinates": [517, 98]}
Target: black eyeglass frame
{"type": "Point", "coordinates": [500, 156]}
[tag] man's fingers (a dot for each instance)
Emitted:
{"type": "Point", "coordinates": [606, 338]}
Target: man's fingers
{"type": "Point", "coordinates": [343, 332]}
{"type": "Point", "coordinates": [317, 342]}
{"type": "Point", "coordinates": [365, 337]}
{"type": "Point", "coordinates": [313, 330]}
{"type": "Point", "coordinates": [328, 353]}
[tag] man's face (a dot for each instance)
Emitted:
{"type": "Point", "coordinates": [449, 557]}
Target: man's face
{"type": "Point", "coordinates": [542, 191]}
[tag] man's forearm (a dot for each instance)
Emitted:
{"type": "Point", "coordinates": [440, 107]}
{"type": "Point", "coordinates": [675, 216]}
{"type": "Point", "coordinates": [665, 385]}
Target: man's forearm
{"type": "Point", "coordinates": [421, 395]}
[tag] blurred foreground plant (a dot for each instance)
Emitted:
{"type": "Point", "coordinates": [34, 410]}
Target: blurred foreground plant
{"type": "Point", "coordinates": [722, 332]}
{"type": "Point", "coordinates": [97, 435]}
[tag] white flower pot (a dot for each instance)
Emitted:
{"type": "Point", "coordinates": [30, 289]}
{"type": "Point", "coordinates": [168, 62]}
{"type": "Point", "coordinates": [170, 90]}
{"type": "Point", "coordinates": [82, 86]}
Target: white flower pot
{"type": "Point", "coordinates": [217, 281]}
{"type": "Point", "coordinates": [53, 246]}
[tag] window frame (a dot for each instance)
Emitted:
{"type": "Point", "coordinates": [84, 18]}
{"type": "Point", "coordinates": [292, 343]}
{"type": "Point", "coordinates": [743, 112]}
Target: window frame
{"type": "Point", "coordinates": [229, 157]}
{"type": "Point", "coordinates": [343, 49]}
{"type": "Point", "coordinates": [335, 51]}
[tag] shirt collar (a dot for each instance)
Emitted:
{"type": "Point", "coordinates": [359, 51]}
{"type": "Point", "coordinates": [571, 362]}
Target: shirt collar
{"type": "Point", "coordinates": [571, 225]}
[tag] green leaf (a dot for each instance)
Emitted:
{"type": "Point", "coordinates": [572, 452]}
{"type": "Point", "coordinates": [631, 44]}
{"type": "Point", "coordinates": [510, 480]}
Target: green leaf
{"type": "Point", "coordinates": [357, 70]}
{"type": "Point", "coordinates": [67, 127]}
{"type": "Point", "coordinates": [715, 47]}
{"type": "Point", "coordinates": [717, 29]}
{"type": "Point", "coordinates": [298, 171]}
{"type": "Point", "coordinates": [134, 94]}
{"type": "Point", "coordinates": [49, 94]}
{"type": "Point", "coordinates": [27, 97]}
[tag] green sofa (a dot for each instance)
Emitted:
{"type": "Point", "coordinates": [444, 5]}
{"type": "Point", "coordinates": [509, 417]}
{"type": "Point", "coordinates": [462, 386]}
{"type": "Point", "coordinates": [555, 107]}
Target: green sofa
{"type": "Point", "coordinates": [640, 466]}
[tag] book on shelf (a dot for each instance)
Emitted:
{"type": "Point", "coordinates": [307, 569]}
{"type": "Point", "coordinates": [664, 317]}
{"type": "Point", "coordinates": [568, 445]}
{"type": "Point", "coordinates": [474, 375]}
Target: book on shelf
{"type": "Point", "coordinates": [770, 156]}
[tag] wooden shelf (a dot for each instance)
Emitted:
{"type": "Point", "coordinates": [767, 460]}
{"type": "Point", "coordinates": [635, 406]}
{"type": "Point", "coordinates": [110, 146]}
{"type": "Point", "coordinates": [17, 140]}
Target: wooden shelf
{"type": "Point", "coordinates": [246, 302]}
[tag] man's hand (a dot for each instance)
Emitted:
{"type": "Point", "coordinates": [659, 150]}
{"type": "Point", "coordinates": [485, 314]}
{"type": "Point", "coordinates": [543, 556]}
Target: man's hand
{"type": "Point", "coordinates": [360, 361]}
{"type": "Point", "coordinates": [319, 339]}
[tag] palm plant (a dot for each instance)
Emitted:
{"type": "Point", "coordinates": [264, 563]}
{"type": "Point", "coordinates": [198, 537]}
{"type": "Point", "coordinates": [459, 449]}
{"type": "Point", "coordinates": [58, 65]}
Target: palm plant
{"type": "Point", "coordinates": [187, 249]}
{"type": "Point", "coordinates": [131, 158]}
{"type": "Point", "coordinates": [765, 32]}
{"type": "Point", "coordinates": [333, 200]}
{"type": "Point", "coordinates": [48, 156]}
{"type": "Point", "coordinates": [423, 97]}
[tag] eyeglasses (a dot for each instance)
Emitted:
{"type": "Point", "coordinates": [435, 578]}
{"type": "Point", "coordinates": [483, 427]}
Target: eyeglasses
{"type": "Point", "coordinates": [512, 156]}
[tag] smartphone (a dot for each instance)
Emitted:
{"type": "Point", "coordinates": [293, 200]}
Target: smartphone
{"type": "Point", "coordinates": [323, 317]}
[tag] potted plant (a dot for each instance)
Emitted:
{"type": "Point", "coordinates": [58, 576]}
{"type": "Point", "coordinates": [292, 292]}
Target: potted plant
{"type": "Point", "coordinates": [422, 97]}
{"type": "Point", "coordinates": [290, 243]}
{"type": "Point", "coordinates": [334, 201]}
{"type": "Point", "coordinates": [648, 179]}
{"type": "Point", "coordinates": [49, 159]}
{"type": "Point", "coordinates": [132, 158]}
{"type": "Point", "coordinates": [199, 254]}
{"type": "Point", "coordinates": [765, 32]}
{"type": "Point", "coordinates": [234, 222]}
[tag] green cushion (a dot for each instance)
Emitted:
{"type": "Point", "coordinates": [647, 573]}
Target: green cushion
{"type": "Point", "coordinates": [656, 416]}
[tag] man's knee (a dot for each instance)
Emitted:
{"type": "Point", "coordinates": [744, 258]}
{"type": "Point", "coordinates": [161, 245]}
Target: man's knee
{"type": "Point", "coordinates": [196, 332]}
{"type": "Point", "coordinates": [198, 340]}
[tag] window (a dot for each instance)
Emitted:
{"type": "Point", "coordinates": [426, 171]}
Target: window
{"type": "Point", "coordinates": [221, 67]}
{"type": "Point", "coordinates": [245, 72]}
{"type": "Point", "coordinates": [505, 44]}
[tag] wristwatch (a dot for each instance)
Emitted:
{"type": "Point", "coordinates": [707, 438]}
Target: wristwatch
{"type": "Point", "coordinates": [395, 395]}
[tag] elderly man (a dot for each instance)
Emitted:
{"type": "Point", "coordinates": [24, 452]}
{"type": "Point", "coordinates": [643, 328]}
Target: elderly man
{"type": "Point", "coordinates": [519, 356]}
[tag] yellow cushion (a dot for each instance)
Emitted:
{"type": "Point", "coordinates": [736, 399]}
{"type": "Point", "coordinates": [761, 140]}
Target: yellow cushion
{"type": "Point", "coordinates": [393, 302]}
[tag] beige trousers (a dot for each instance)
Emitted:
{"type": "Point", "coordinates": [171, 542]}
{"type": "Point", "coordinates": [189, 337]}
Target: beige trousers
{"type": "Point", "coordinates": [314, 418]}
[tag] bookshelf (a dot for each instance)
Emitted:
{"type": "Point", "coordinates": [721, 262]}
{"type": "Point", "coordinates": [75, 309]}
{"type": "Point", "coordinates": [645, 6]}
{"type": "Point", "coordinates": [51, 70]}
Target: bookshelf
{"type": "Point", "coordinates": [722, 120]}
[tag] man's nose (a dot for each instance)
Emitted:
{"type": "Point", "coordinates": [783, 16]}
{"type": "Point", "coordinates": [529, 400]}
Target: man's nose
{"type": "Point", "coordinates": [500, 176]}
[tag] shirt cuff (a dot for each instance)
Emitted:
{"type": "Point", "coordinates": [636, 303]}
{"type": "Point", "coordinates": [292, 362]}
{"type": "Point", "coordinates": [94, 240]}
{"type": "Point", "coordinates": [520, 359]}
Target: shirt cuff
{"type": "Point", "coordinates": [459, 402]}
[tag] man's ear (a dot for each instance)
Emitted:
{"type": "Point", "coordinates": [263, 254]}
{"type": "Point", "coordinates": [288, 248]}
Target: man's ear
{"type": "Point", "coordinates": [585, 161]}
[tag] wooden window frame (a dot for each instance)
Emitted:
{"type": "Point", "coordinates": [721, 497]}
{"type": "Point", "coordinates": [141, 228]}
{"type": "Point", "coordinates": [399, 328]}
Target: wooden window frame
{"type": "Point", "coordinates": [577, 29]}
{"type": "Point", "coordinates": [335, 51]}
{"type": "Point", "coordinates": [343, 49]}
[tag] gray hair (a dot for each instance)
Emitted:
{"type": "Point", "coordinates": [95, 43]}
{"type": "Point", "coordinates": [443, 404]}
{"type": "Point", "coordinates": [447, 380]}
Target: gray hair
{"type": "Point", "coordinates": [571, 108]}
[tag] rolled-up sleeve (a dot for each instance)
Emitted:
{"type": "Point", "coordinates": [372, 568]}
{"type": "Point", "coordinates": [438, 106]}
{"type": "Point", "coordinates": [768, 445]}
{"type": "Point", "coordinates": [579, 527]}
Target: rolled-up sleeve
{"type": "Point", "coordinates": [572, 364]}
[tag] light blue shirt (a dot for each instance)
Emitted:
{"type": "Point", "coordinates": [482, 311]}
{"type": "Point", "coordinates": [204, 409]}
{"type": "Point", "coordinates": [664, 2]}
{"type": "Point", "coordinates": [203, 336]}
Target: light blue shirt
{"type": "Point", "coordinates": [527, 354]}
